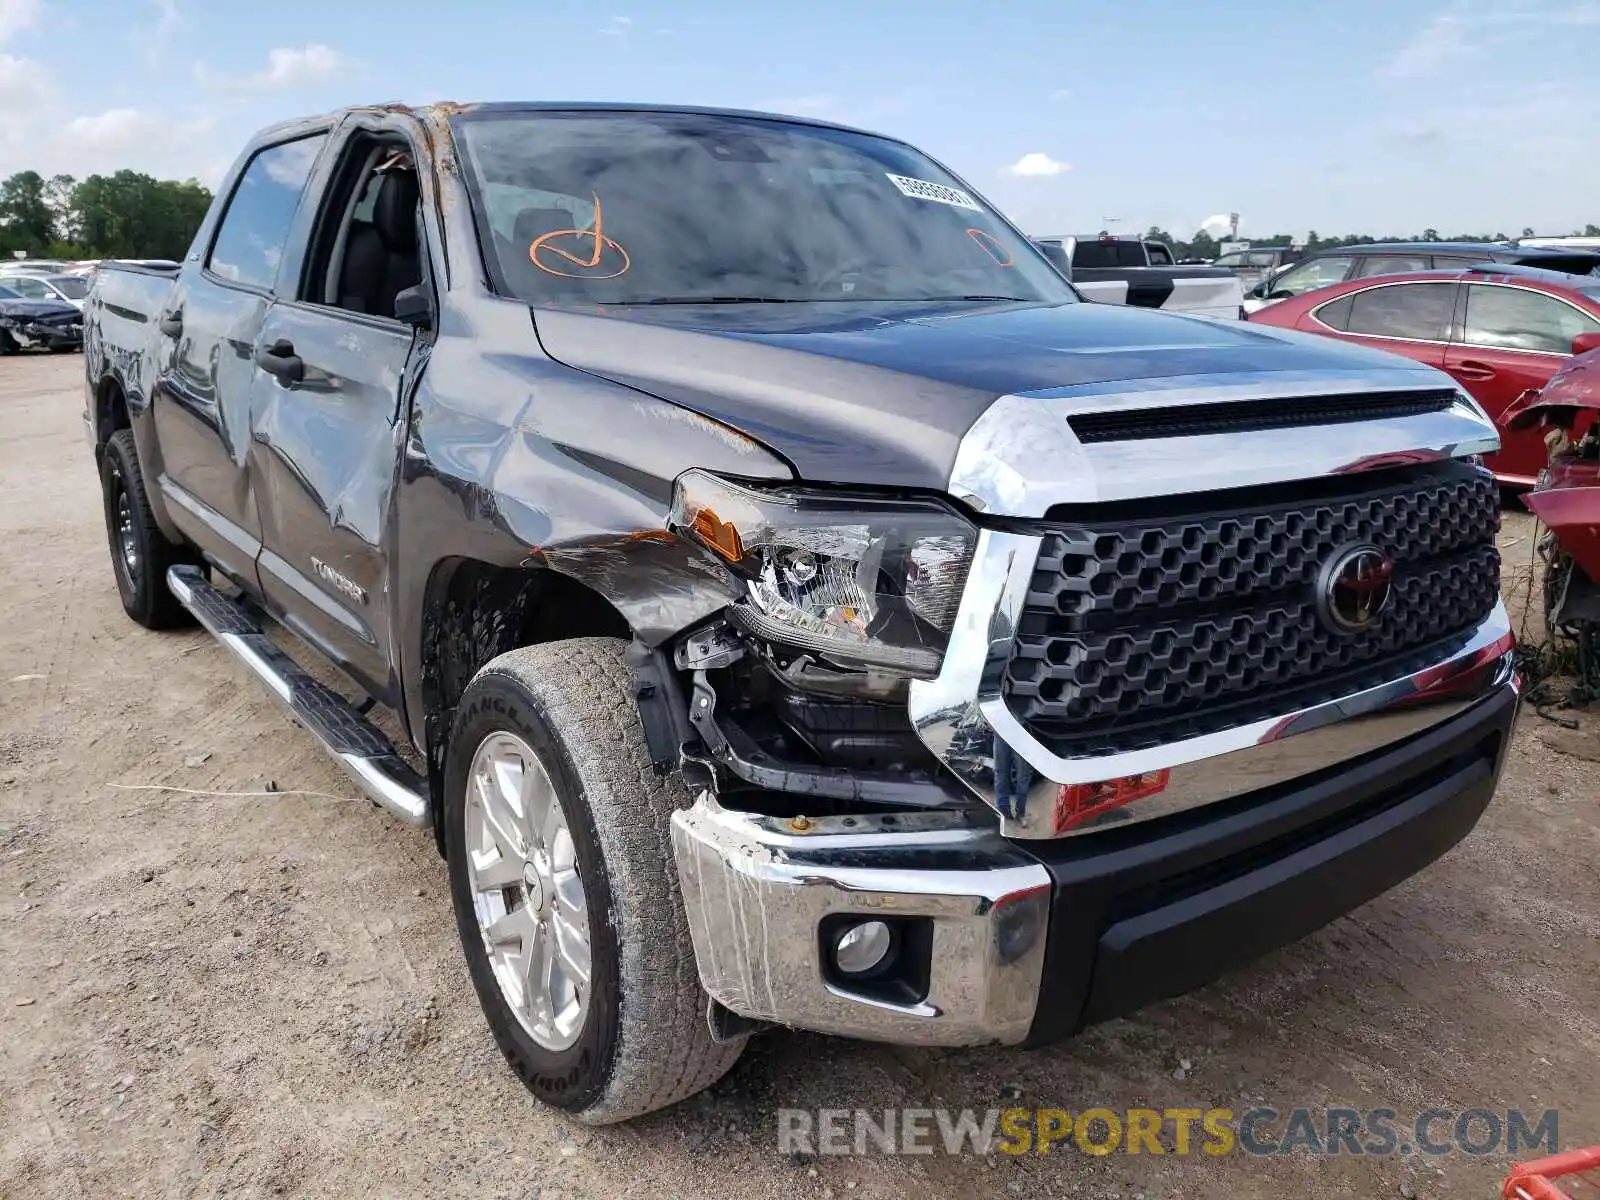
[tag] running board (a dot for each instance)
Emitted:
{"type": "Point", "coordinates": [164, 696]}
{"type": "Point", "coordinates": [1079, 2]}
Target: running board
{"type": "Point", "coordinates": [358, 746]}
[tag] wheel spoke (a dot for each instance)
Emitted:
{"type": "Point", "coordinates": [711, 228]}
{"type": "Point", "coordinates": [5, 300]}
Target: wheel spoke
{"type": "Point", "coordinates": [540, 963]}
{"type": "Point", "coordinates": [498, 817]}
{"type": "Point", "coordinates": [493, 874]}
{"type": "Point", "coordinates": [516, 928]}
{"type": "Point", "coordinates": [572, 947]}
{"type": "Point", "coordinates": [540, 811]}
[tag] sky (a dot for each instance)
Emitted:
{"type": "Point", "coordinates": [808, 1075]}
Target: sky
{"type": "Point", "coordinates": [1365, 116]}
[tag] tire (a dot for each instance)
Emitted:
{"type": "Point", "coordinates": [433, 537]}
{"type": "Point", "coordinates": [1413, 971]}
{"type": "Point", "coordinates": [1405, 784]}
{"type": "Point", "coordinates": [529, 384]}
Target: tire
{"type": "Point", "coordinates": [643, 1043]}
{"type": "Point", "coordinates": [8, 344]}
{"type": "Point", "coordinates": [140, 562]}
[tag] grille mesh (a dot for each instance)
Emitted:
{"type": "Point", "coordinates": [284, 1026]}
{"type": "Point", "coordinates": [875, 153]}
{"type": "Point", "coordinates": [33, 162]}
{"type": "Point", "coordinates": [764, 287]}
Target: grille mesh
{"type": "Point", "coordinates": [1140, 630]}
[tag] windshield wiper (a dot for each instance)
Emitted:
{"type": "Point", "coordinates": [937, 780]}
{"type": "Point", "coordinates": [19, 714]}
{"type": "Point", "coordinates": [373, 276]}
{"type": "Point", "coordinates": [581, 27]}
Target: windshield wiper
{"type": "Point", "coordinates": [711, 300]}
{"type": "Point", "coordinates": [1016, 299]}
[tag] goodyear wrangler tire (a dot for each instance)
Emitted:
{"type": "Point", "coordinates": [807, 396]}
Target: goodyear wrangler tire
{"type": "Point", "coordinates": [564, 887]}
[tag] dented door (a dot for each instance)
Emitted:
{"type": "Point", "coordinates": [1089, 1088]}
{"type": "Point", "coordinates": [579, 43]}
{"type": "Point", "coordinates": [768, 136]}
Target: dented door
{"type": "Point", "coordinates": [325, 453]}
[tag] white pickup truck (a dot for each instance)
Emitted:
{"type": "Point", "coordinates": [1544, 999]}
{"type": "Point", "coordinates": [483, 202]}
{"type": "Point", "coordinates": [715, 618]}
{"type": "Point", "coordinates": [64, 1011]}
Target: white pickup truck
{"type": "Point", "coordinates": [1115, 270]}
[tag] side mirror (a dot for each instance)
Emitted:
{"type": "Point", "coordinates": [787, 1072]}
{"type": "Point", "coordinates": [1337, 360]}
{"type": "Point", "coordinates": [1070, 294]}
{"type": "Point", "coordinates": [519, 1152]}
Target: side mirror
{"type": "Point", "coordinates": [1280, 294]}
{"type": "Point", "coordinates": [1585, 342]}
{"type": "Point", "coordinates": [414, 306]}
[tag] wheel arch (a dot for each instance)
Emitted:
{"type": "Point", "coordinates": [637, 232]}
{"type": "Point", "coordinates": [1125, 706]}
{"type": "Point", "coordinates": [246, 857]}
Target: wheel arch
{"type": "Point", "coordinates": [475, 611]}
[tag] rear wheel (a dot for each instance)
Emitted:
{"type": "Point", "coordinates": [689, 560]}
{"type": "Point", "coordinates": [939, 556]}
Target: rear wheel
{"type": "Point", "coordinates": [564, 888]}
{"type": "Point", "coordinates": [140, 552]}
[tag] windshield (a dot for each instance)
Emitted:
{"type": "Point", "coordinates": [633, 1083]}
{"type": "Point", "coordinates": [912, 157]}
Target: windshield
{"type": "Point", "coordinates": [637, 208]}
{"type": "Point", "coordinates": [73, 287]}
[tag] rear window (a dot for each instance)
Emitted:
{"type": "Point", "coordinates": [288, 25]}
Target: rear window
{"type": "Point", "coordinates": [1570, 264]}
{"type": "Point", "coordinates": [1414, 311]}
{"type": "Point", "coordinates": [1097, 254]}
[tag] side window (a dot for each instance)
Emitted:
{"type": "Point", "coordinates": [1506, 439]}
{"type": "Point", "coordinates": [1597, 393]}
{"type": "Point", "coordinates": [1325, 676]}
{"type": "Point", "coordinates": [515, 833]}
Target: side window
{"type": "Point", "coordinates": [1264, 258]}
{"type": "Point", "coordinates": [31, 289]}
{"type": "Point", "coordinates": [1510, 318]}
{"type": "Point", "coordinates": [1319, 272]}
{"type": "Point", "coordinates": [249, 242]}
{"type": "Point", "coordinates": [1419, 311]}
{"type": "Point", "coordinates": [1392, 264]}
{"type": "Point", "coordinates": [1336, 313]}
{"type": "Point", "coordinates": [1160, 256]}
{"type": "Point", "coordinates": [367, 249]}
{"type": "Point", "coordinates": [1235, 259]}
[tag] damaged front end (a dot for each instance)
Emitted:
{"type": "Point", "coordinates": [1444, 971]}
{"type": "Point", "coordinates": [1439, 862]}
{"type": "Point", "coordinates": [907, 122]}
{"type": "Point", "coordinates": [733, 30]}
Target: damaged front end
{"type": "Point", "coordinates": [24, 327]}
{"type": "Point", "coordinates": [1567, 500]}
{"type": "Point", "coordinates": [835, 876]}
{"type": "Point", "coordinates": [797, 704]}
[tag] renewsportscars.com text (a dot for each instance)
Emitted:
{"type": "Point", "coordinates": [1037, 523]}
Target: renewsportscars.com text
{"type": "Point", "coordinates": [1182, 1131]}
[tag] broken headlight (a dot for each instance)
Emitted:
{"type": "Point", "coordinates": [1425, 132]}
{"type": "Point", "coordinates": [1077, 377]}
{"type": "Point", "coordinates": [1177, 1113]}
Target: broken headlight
{"type": "Point", "coordinates": [857, 580]}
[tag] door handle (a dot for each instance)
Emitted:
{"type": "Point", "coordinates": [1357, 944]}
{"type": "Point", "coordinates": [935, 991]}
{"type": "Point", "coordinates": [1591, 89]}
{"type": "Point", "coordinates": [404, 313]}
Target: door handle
{"type": "Point", "coordinates": [171, 323]}
{"type": "Point", "coordinates": [280, 359]}
{"type": "Point", "coordinates": [1470, 369]}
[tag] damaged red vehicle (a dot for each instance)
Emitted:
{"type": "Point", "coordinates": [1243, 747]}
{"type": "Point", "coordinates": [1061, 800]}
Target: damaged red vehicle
{"type": "Point", "coordinates": [1567, 495]}
{"type": "Point", "coordinates": [1499, 329]}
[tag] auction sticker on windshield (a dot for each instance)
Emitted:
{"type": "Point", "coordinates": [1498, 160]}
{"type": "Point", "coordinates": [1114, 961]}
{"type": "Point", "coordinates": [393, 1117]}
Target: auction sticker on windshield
{"type": "Point", "coordinates": [921, 189]}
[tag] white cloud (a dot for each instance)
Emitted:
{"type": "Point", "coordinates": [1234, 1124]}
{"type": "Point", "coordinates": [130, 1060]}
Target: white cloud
{"type": "Point", "coordinates": [1061, 94]}
{"type": "Point", "coordinates": [1445, 40]}
{"type": "Point", "coordinates": [155, 37]}
{"type": "Point", "coordinates": [618, 27]}
{"type": "Point", "coordinates": [15, 16]}
{"type": "Point", "coordinates": [287, 67]}
{"type": "Point", "coordinates": [1037, 165]}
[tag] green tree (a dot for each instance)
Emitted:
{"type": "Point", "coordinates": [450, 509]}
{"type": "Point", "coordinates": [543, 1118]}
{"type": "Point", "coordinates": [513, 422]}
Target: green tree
{"type": "Point", "coordinates": [25, 214]}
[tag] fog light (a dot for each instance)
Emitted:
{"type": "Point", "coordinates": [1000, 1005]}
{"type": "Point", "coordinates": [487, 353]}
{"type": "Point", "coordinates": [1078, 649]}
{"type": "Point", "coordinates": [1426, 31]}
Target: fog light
{"type": "Point", "coordinates": [862, 948]}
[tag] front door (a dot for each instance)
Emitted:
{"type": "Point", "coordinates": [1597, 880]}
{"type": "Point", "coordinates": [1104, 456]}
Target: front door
{"type": "Point", "coordinates": [1512, 339]}
{"type": "Point", "coordinates": [331, 361]}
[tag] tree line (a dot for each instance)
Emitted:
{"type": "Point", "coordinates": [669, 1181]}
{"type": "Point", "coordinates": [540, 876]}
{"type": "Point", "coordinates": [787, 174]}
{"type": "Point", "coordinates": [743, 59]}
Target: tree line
{"type": "Point", "coordinates": [1203, 245]}
{"type": "Point", "coordinates": [124, 215]}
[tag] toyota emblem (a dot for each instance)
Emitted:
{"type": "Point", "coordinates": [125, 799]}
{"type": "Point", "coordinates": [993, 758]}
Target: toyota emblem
{"type": "Point", "coordinates": [1354, 588]}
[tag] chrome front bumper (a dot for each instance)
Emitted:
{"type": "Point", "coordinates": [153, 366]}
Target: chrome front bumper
{"type": "Point", "coordinates": [757, 889]}
{"type": "Point", "coordinates": [962, 717]}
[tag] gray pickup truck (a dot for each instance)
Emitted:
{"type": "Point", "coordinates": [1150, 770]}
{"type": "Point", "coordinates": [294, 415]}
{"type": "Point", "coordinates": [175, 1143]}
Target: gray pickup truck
{"type": "Point", "coordinates": [799, 607]}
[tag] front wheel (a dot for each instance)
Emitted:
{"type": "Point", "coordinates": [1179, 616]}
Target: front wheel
{"type": "Point", "coordinates": [564, 887]}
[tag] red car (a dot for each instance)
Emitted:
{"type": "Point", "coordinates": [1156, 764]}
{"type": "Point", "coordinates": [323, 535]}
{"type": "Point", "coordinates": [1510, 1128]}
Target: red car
{"type": "Point", "coordinates": [1499, 330]}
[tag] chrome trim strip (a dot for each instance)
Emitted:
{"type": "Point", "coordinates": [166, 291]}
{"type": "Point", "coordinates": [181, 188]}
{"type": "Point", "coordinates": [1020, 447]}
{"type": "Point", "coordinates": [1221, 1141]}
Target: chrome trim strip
{"type": "Point", "coordinates": [1021, 457]}
{"type": "Point", "coordinates": [754, 904]}
{"type": "Point", "coordinates": [962, 717]}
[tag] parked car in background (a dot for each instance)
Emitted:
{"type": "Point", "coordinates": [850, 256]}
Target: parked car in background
{"type": "Point", "coordinates": [1258, 262]}
{"type": "Point", "coordinates": [1574, 242]}
{"type": "Point", "coordinates": [50, 324]}
{"type": "Point", "coordinates": [1131, 271]}
{"type": "Point", "coordinates": [1392, 258]}
{"type": "Point", "coordinates": [34, 266]}
{"type": "Point", "coordinates": [66, 289]}
{"type": "Point", "coordinates": [1499, 330]}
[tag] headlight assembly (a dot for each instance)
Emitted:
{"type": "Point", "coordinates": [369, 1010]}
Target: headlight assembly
{"type": "Point", "coordinates": [859, 581]}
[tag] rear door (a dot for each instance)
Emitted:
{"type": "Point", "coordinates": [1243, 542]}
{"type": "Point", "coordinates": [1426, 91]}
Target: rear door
{"type": "Point", "coordinates": [202, 394]}
{"type": "Point", "coordinates": [331, 360]}
{"type": "Point", "coordinates": [1412, 319]}
{"type": "Point", "coordinates": [1513, 338]}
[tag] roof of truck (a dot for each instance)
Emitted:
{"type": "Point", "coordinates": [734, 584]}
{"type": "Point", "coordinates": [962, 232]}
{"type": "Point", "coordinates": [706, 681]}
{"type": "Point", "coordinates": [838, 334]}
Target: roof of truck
{"type": "Point", "coordinates": [451, 108]}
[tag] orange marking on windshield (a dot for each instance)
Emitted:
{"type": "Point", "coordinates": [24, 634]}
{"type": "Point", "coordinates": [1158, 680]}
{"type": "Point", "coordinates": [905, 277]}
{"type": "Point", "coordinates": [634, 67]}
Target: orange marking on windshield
{"type": "Point", "coordinates": [992, 247]}
{"type": "Point", "coordinates": [588, 265]}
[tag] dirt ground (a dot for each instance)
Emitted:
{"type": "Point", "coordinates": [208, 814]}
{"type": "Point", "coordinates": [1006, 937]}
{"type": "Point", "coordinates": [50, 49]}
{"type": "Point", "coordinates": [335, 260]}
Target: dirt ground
{"type": "Point", "coordinates": [262, 994]}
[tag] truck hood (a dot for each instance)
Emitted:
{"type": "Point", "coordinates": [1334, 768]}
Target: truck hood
{"type": "Point", "coordinates": [882, 393]}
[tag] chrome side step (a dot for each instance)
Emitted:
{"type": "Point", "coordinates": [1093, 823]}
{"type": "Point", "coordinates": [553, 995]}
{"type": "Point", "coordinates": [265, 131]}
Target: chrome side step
{"type": "Point", "coordinates": [358, 746]}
